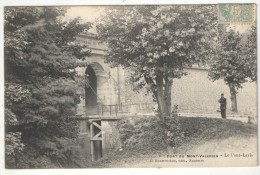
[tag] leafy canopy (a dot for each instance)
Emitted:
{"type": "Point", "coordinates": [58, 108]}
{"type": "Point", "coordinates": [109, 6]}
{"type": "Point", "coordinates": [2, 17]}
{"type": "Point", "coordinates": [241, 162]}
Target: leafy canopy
{"type": "Point", "coordinates": [154, 40]}
{"type": "Point", "coordinates": [156, 43]}
{"type": "Point", "coordinates": [250, 53]}
{"type": "Point", "coordinates": [235, 60]}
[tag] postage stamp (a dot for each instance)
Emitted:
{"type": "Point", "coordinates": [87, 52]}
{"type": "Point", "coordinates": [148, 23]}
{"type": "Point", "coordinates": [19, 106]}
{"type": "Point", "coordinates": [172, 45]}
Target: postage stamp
{"type": "Point", "coordinates": [236, 13]}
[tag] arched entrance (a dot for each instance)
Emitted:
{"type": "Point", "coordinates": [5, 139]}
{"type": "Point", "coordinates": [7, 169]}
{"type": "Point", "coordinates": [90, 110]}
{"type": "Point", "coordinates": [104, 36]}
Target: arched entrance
{"type": "Point", "coordinates": [90, 91]}
{"type": "Point", "coordinates": [91, 104]}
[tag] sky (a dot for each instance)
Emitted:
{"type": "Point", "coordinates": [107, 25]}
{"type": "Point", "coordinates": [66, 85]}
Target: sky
{"type": "Point", "coordinates": [87, 13]}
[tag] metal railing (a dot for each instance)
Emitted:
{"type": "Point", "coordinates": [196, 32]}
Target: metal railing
{"type": "Point", "coordinates": [125, 108]}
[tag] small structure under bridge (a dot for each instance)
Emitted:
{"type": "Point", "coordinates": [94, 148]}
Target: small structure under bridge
{"type": "Point", "coordinates": [99, 132]}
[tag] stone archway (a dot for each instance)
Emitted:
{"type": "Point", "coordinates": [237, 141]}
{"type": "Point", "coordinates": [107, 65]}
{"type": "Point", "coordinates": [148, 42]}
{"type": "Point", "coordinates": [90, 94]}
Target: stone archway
{"type": "Point", "coordinates": [96, 90]}
{"type": "Point", "coordinates": [90, 91]}
{"type": "Point", "coordinates": [95, 83]}
{"type": "Point", "coordinates": [93, 79]}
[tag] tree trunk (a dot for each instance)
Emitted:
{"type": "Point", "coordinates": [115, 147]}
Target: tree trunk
{"type": "Point", "coordinates": [233, 97]}
{"type": "Point", "coordinates": [164, 95]}
{"type": "Point", "coordinates": [161, 89]}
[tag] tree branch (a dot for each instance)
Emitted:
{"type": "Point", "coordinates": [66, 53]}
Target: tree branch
{"type": "Point", "coordinates": [151, 83]}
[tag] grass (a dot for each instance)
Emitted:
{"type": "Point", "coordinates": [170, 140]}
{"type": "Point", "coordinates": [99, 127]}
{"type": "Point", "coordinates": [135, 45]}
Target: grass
{"type": "Point", "coordinates": [214, 128]}
{"type": "Point", "coordinates": [143, 137]}
{"type": "Point", "coordinates": [202, 130]}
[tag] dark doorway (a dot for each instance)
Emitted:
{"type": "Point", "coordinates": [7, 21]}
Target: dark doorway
{"type": "Point", "coordinates": [90, 91]}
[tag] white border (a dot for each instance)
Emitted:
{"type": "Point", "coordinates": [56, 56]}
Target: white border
{"type": "Point", "coordinates": [150, 171]}
{"type": "Point", "coordinates": [114, 2]}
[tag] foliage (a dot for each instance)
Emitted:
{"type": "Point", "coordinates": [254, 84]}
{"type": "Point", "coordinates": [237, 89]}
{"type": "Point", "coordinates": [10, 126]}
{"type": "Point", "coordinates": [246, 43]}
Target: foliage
{"type": "Point", "coordinates": [40, 86]}
{"type": "Point", "coordinates": [151, 134]}
{"type": "Point", "coordinates": [229, 62]}
{"type": "Point", "coordinates": [250, 53]}
{"type": "Point", "coordinates": [173, 130]}
{"type": "Point", "coordinates": [142, 136]}
{"type": "Point", "coordinates": [126, 131]}
{"type": "Point", "coordinates": [157, 43]}
{"type": "Point", "coordinates": [13, 144]}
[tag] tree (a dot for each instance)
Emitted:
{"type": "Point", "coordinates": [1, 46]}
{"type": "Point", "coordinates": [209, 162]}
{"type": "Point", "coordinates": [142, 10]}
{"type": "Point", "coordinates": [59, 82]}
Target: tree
{"type": "Point", "coordinates": [249, 52]}
{"type": "Point", "coordinates": [157, 43]}
{"type": "Point", "coordinates": [40, 58]}
{"type": "Point", "coordinates": [231, 62]}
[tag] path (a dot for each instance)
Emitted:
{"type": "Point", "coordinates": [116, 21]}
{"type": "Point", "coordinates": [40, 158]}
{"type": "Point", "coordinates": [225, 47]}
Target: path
{"type": "Point", "coordinates": [232, 146]}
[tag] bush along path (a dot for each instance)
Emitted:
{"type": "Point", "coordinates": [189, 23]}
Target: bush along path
{"type": "Point", "coordinates": [144, 141]}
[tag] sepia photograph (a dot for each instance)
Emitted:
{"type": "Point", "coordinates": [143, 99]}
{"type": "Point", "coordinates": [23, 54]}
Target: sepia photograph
{"type": "Point", "coordinates": [130, 86]}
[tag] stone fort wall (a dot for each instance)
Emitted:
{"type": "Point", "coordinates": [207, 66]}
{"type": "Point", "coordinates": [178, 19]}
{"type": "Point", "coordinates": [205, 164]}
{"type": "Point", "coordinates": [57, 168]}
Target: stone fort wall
{"type": "Point", "coordinates": [195, 93]}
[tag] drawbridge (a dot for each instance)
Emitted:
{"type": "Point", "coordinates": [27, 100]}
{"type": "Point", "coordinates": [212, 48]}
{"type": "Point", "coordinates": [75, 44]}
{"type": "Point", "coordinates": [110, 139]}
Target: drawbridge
{"type": "Point", "coordinates": [99, 132]}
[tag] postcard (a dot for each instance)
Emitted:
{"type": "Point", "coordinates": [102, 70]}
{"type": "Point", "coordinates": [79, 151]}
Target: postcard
{"type": "Point", "coordinates": [130, 86]}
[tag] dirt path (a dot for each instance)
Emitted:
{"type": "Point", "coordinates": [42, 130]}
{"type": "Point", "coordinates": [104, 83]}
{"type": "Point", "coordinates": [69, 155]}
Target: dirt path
{"type": "Point", "coordinates": [232, 151]}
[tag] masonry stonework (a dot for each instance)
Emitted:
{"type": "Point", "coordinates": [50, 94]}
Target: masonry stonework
{"type": "Point", "coordinates": [111, 137]}
{"type": "Point", "coordinates": [108, 79]}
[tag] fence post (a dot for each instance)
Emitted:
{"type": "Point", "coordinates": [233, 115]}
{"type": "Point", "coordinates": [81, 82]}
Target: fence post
{"type": "Point", "coordinates": [92, 142]}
